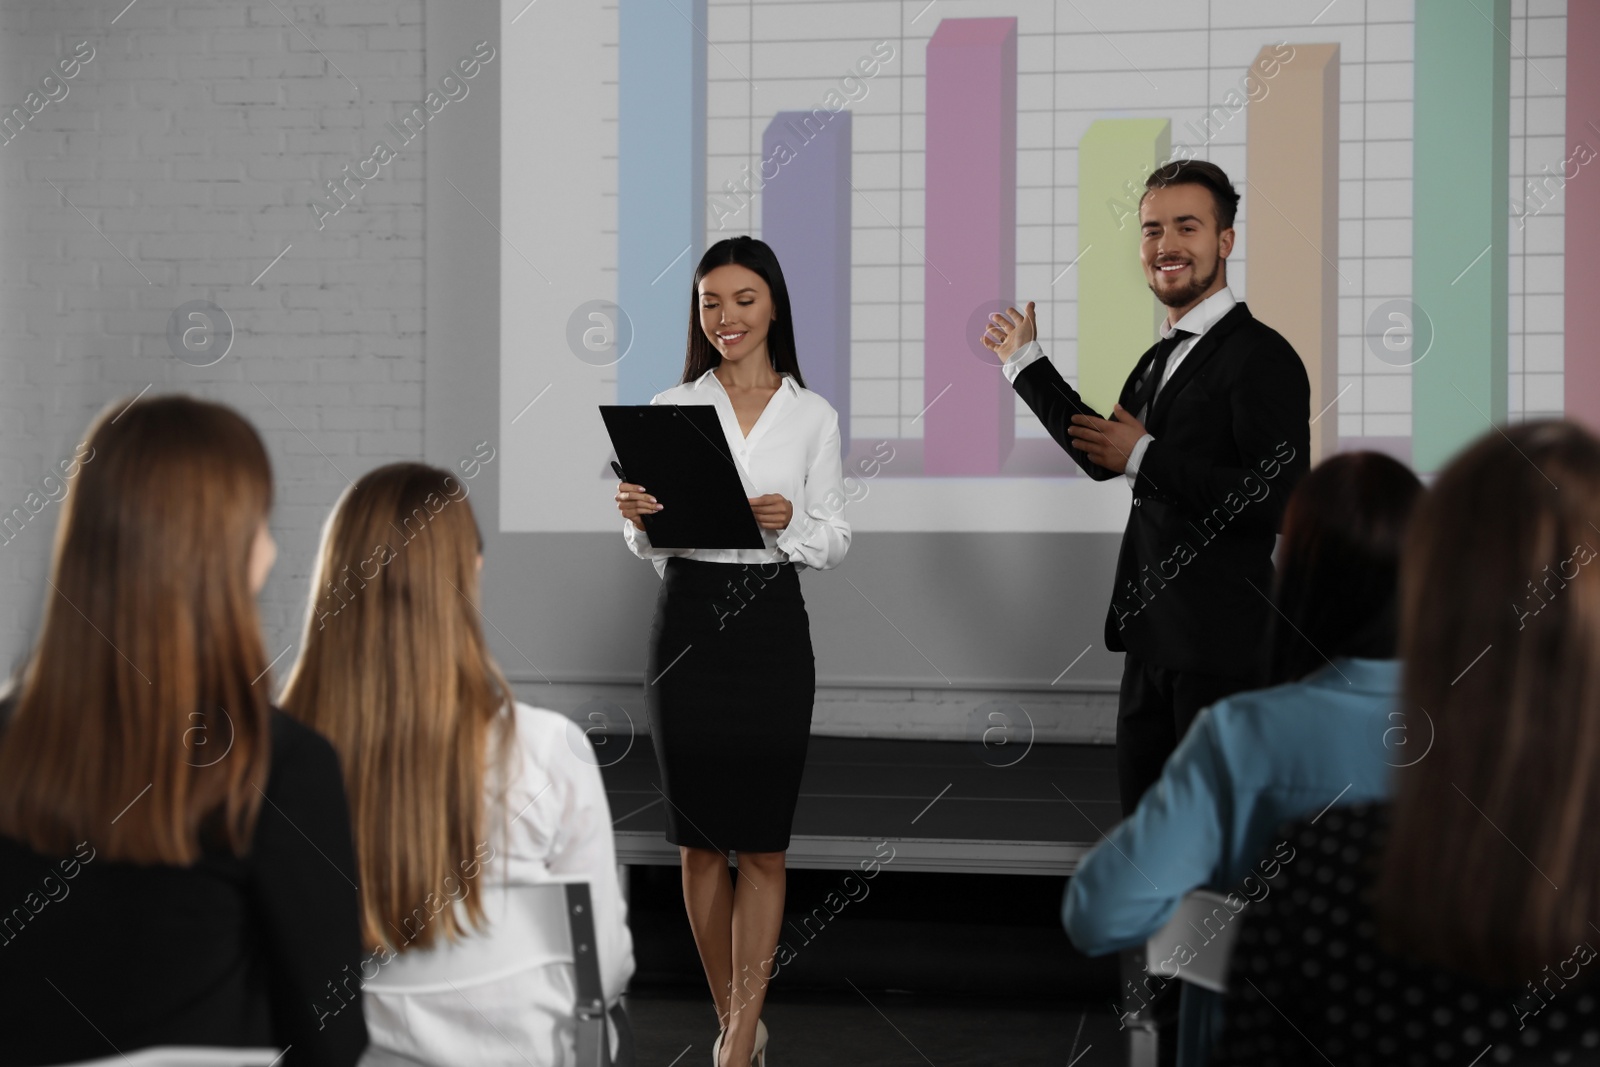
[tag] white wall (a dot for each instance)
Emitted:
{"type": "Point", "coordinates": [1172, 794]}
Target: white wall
{"type": "Point", "coordinates": [189, 148]}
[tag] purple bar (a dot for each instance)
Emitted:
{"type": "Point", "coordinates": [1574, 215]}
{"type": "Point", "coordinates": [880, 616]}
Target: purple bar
{"type": "Point", "coordinates": [1582, 381]}
{"type": "Point", "coordinates": [971, 242]}
{"type": "Point", "coordinates": [805, 217]}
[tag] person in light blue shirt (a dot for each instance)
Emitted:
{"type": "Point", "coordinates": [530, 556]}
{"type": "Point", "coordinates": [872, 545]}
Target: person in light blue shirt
{"type": "Point", "coordinates": [1327, 728]}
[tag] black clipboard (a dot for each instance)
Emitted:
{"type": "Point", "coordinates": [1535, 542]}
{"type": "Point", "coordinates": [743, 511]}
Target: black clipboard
{"type": "Point", "coordinates": [679, 453]}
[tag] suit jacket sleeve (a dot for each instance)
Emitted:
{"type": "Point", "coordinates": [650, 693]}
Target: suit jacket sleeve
{"type": "Point", "coordinates": [1271, 405]}
{"type": "Point", "coordinates": [1043, 389]}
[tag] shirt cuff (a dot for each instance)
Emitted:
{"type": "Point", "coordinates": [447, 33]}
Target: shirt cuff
{"type": "Point", "coordinates": [1026, 356]}
{"type": "Point", "coordinates": [1136, 457]}
{"type": "Point", "coordinates": [796, 533]}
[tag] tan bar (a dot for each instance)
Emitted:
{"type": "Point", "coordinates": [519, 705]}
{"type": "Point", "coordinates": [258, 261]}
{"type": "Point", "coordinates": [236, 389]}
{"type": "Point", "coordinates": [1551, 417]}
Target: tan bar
{"type": "Point", "coordinates": [1292, 160]}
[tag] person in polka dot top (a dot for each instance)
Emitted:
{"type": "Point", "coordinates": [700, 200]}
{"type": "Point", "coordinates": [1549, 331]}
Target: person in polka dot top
{"type": "Point", "coordinates": [1457, 924]}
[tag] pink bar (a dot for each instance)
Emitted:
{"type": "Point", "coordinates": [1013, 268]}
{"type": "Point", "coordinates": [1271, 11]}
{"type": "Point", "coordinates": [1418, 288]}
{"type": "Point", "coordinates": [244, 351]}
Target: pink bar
{"type": "Point", "coordinates": [971, 241]}
{"type": "Point", "coordinates": [1582, 330]}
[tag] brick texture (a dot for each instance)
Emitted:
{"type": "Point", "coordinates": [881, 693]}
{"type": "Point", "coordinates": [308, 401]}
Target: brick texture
{"type": "Point", "coordinates": [183, 159]}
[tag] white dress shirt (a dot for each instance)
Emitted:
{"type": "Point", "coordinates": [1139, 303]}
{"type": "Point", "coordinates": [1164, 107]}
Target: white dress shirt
{"type": "Point", "coordinates": [551, 819]}
{"type": "Point", "coordinates": [1200, 318]}
{"type": "Point", "coordinates": [792, 450]}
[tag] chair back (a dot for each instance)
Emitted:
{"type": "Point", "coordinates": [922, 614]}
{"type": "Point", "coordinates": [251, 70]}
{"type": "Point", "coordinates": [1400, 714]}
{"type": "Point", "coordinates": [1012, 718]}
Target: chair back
{"type": "Point", "coordinates": [527, 925]}
{"type": "Point", "coordinates": [1196, 942]}
{"type": "Point", "coordinates": [187, 1056]}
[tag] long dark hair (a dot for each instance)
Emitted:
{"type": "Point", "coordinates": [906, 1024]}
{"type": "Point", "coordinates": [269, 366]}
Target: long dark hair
{"type": "Point", "coordinates": [1338, 571]}
{"type": "Point", "coordinates": [1500, 645]}
{"type": "Point", "coordinates": [758, 256]}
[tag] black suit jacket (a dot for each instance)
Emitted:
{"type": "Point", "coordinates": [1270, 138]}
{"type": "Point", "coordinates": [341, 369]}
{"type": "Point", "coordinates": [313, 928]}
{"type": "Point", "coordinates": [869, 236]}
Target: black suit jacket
{"type": "Point", "coordinates": [1232, 436]}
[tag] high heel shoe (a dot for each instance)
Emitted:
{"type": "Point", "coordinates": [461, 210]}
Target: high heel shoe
{"type": "Point", "coordinates": [758, 1055]}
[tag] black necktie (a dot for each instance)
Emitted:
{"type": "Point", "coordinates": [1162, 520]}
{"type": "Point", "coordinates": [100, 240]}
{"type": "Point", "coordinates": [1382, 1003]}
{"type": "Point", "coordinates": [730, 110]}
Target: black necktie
{"type": "Point", "coordinates": [1146, 392]}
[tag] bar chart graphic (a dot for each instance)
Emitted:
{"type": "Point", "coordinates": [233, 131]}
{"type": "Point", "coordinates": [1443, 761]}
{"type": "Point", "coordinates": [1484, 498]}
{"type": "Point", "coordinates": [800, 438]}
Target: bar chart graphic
{"type": "Point", "coordinates": [971, 227]}
{"type": "Point", "coordinates": [807, 223]}
{"type": "Point", "coordinates": [916, 166]}
{"type": "Point", "coordinates": [1117, 319]}
{"type": "Point", "coordinates": [1293, 163]}
{"type": "Point", "coordinates": [661, 117]}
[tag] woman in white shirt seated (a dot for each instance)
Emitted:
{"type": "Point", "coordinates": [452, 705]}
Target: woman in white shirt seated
{"type": "Point", "coordinates": [454, 786]}
{"type": "Point", "coordinates": [731, 673]}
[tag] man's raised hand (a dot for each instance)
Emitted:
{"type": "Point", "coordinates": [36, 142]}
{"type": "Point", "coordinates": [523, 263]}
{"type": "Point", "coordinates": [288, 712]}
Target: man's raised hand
{"type": "Point", "coordinates": [1008, 331]}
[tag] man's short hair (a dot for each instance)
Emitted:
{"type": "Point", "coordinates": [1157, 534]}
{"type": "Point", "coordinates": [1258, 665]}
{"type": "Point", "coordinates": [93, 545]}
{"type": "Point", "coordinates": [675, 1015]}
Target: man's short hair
{"type": "Point", "coordinates": [1200, 172]}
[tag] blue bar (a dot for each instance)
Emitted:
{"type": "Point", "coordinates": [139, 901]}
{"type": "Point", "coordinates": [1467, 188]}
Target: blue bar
{"type": "Point", "coordinates": [661, 184]}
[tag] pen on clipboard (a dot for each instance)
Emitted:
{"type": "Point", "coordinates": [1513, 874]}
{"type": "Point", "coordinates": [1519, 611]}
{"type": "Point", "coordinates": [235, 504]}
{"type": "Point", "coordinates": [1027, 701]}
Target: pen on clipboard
{"type": "Point", "coordinates": [623, 477]}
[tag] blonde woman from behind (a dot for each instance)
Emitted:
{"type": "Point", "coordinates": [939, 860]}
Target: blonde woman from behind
{"type": "Point", "coordinates": [455, 787]}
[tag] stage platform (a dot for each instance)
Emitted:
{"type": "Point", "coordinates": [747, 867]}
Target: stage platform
{"type": "Point", "coordinates": [940, 805]}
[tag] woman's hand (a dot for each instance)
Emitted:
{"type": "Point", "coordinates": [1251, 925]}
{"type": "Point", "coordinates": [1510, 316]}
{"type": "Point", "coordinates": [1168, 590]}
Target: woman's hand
{"type": "Point", "coordinates": [773, 512]}
{"type": "Point", "coordinates": [633, 503]}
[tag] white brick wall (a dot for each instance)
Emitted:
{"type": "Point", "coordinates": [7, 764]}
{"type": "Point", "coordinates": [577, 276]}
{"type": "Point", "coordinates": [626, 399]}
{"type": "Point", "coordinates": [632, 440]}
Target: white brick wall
{"type": "Point", "coordinates": [193, 141]}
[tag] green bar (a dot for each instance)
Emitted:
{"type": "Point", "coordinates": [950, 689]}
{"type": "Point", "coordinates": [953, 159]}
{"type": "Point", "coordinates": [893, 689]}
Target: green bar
{"type": "Point", "coordinates": [1460, 167]}
{"type": "Point", "coordinates": [1118, 316]}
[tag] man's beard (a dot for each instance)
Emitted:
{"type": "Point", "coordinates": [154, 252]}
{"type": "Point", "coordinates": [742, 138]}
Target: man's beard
{"type": "Point", "coordinates": [1188, 294]}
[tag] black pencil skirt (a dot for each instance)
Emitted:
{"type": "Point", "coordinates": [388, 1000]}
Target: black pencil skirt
{"type": "Point", "coordinates": [730, 685]}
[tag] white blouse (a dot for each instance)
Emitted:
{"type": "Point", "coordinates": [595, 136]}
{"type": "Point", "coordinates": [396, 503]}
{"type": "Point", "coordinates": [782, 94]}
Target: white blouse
{"type": "Point", "coordinates": [792, 450]}
{"type": "Point", "coordinates": [553, 819]}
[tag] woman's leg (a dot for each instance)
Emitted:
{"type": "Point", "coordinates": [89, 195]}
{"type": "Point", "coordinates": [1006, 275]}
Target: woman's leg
{"type": "Point", "coordinates": [708, 898]}
{"type": "Point", "coordinates": [757, 918]}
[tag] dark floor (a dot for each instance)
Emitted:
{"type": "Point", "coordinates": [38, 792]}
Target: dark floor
{"type": "Point", "coordinates": [942, 969]}
{"type": "Point", "coordinates": [952, 955]}
{"type": "Point", "coordinates": [1031, 807]}
{"type": "Point", "coordinates": [886, 1029]}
